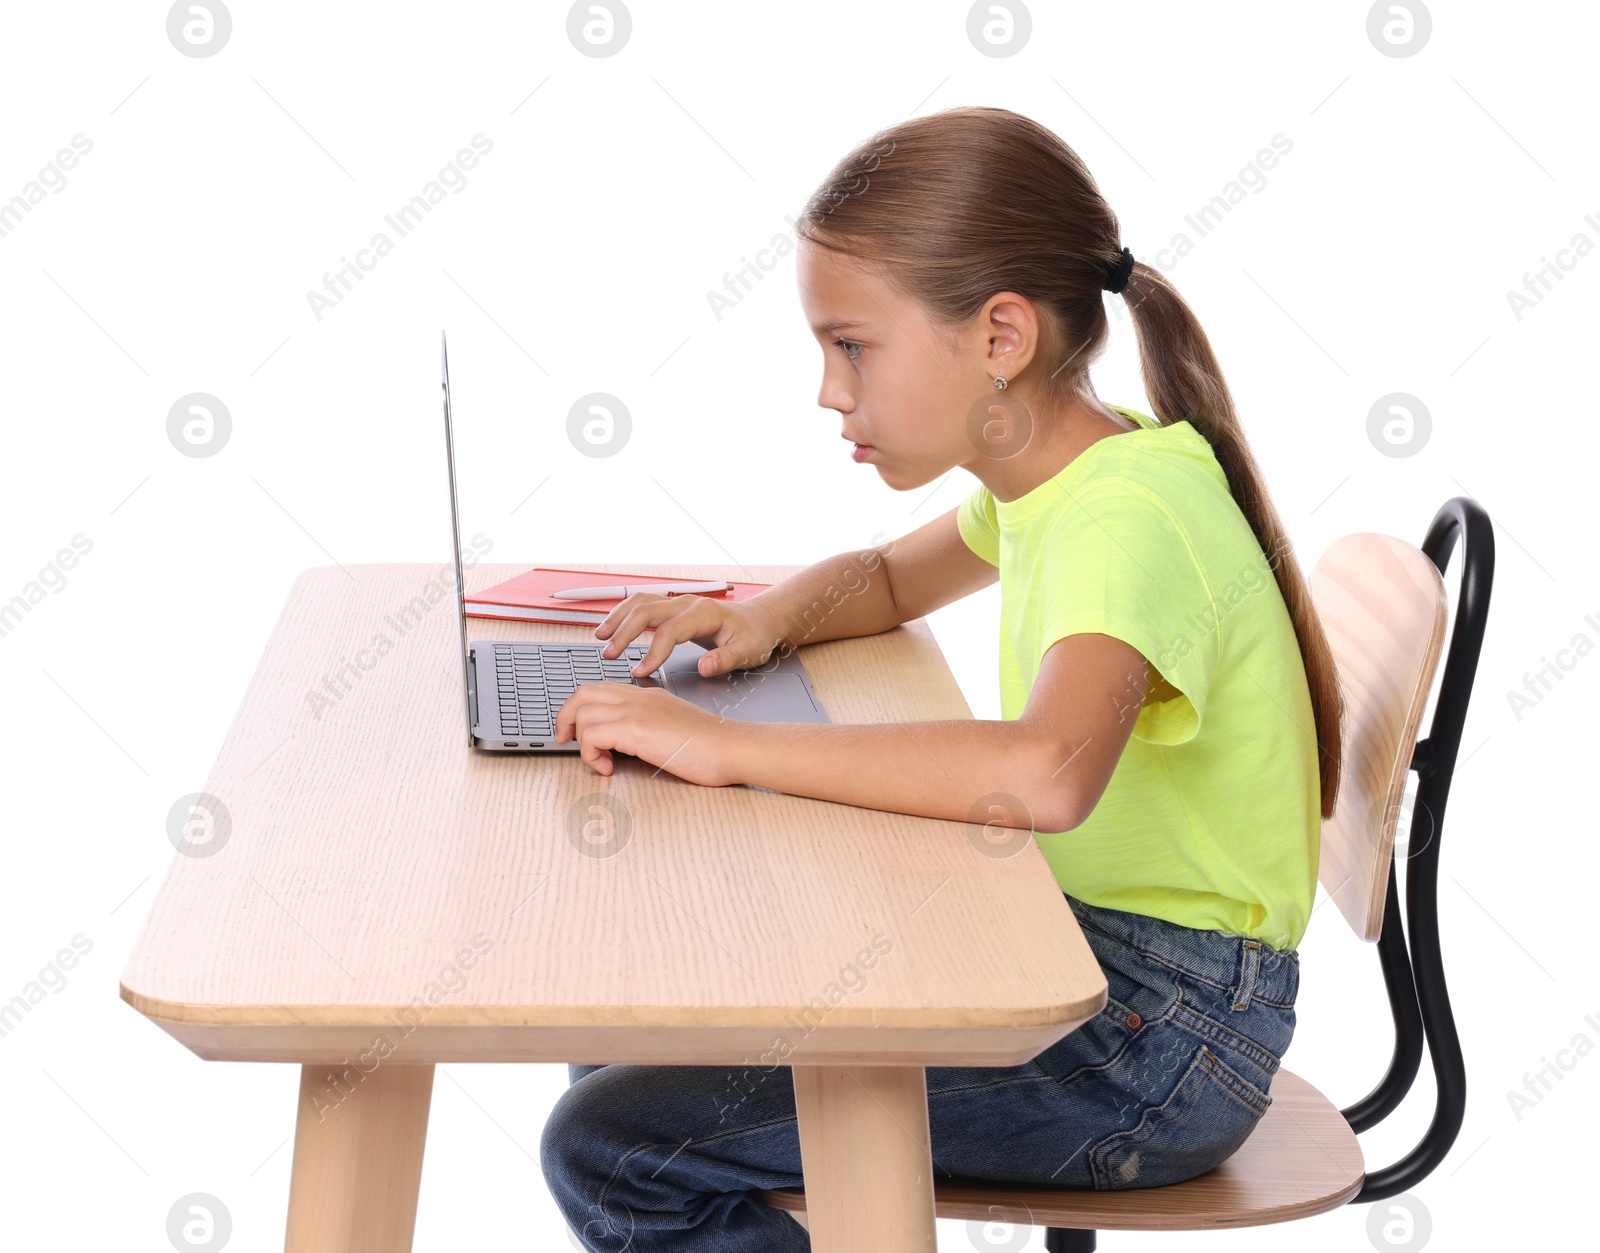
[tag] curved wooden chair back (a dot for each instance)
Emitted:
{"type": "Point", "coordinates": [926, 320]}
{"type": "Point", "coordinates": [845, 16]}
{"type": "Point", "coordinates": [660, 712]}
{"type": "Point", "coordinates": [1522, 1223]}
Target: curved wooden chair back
{"type": "Point", "coordinates": [1382, 604]}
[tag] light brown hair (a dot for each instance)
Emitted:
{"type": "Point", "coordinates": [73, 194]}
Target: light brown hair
{"type": "Point", "coordinates": [955, 206]}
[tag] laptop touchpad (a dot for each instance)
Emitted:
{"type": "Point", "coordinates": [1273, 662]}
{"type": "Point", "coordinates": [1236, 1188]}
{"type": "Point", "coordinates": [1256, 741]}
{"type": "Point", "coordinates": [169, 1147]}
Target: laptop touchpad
{"type": "Point", "coordinates": [753, 698]}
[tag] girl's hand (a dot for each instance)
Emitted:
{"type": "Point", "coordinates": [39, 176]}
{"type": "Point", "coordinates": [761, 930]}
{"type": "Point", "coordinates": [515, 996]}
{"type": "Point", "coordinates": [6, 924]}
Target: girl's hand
{"type": "Point", "coordinates": [739, 636]}
{"type": "Point", "coordinates": [649, 723]}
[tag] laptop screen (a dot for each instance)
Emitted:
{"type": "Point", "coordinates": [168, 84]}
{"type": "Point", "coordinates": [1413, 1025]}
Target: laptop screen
{"type": "Point", "coordinates": [455, 535]}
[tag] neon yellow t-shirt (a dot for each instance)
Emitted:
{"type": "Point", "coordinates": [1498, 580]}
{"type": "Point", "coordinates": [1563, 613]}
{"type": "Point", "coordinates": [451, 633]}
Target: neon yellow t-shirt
{"type": "Point", "coordinates": [1212, 817]}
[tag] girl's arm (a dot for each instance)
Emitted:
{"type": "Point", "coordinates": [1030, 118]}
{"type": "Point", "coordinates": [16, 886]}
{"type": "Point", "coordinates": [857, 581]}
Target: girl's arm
{"type": "Point", "coordinates": [864, 593]}
{"type": "Point", "coordinates": [1044, 771]}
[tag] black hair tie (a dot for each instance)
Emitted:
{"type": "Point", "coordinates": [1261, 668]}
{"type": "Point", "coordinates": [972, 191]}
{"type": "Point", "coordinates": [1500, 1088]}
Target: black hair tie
{"type": "Point", "coordinates": [1119, 276]}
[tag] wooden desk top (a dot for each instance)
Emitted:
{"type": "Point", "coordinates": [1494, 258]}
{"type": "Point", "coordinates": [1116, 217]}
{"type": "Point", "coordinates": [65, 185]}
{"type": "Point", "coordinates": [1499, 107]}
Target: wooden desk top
{"type": "Point", "coordinates": [380, 883]}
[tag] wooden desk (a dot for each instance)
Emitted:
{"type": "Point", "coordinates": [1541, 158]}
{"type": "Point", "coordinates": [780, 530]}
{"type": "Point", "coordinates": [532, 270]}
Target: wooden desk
{"type": "Point", "coordinates": [381, 898]}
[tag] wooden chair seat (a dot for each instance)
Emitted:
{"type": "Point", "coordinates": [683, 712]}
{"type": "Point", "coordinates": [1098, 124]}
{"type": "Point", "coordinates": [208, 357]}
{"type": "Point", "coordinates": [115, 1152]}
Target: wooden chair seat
{"type": "Point", "coordinates": [1301, 1159]}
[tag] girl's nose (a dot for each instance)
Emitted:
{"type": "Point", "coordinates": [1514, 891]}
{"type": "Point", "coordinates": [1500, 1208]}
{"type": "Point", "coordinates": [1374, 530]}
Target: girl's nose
{"type": "Point", "coordinates": [833, 396]}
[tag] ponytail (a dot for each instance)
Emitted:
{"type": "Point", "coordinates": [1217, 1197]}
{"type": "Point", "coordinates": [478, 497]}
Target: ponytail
{"type": "Point", "coordinates": [1184, 383]}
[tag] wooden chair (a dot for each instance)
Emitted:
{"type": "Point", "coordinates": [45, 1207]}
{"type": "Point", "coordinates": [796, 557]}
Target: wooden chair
{"type": "Point", "coordinates": [1383, 605]}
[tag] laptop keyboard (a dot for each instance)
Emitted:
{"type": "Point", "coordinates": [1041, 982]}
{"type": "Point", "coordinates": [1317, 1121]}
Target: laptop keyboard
{"type": "Point", "coordinates": [535, 681]}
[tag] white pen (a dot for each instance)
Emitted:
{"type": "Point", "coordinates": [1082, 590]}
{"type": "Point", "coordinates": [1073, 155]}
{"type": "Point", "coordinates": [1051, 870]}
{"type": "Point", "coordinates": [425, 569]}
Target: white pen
{"type": "Point", "coordinates": [628, 589]}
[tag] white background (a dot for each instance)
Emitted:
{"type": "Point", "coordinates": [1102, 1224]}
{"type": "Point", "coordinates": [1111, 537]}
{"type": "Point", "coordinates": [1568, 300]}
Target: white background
{"type": "Point", "coordinates": [578, 258]}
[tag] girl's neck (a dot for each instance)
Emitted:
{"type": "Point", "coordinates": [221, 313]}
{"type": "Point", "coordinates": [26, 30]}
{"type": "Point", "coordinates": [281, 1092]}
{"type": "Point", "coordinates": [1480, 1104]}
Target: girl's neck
{"type": "Point", "coordinates": [1065, 436]}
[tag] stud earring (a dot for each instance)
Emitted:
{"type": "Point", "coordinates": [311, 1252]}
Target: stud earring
{"type": "Point", "coordinates": [999, 383]}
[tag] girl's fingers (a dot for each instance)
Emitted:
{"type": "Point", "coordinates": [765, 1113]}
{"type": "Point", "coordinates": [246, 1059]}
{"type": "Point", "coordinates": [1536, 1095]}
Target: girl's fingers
{"type": "Point", "coordinates": [567, 715]}
{"type": "Point", "coordinates": [669, 634]}
{"type": "Point", "coordinates": [673, 621]}
{"type": "Point", "coordinates": [584, 717]}
{"type": "Point", "coordinates": [621, 610]}
{"type": "Point", "coordinates": [646, 614]}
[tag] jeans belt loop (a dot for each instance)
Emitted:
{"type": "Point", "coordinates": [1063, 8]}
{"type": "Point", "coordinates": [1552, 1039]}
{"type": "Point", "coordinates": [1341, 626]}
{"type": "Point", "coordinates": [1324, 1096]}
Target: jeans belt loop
{"type": "Point", "coordinates": [1247, 976]}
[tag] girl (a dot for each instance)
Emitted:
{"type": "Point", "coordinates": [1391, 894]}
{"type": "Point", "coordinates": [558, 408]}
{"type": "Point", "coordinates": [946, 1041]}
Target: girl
{"type": "Point", "coordinates": [1170, 730]}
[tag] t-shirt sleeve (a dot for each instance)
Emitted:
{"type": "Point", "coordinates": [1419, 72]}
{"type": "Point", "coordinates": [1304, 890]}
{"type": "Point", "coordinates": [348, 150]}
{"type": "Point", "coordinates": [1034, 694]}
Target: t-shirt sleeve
{"type": "Point", "coordinates": [1118, 562]}
{"type": "Point", "coordinates": [979, 526]}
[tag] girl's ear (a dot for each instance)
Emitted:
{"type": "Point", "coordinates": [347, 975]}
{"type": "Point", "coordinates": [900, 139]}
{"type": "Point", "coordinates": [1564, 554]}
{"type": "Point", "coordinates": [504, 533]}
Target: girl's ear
{"type": "Point", "coordinates": [1012, 326]}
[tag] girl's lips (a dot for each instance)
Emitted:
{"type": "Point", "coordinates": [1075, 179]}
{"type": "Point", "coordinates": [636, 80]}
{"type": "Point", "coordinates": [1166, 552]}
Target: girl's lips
{"type": "Point", "coordinates": [860, 452]}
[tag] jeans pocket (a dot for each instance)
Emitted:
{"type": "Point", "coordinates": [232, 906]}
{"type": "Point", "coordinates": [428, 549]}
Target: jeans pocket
{"type": "Point", "coordinates": [1134, 982]}
{"type": "Point", "coordinates": [1208, 1116]}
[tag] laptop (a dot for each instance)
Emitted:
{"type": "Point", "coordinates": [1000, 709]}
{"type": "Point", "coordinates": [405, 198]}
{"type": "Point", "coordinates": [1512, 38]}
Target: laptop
{"type": "Point", "coordinates": [515, 688]}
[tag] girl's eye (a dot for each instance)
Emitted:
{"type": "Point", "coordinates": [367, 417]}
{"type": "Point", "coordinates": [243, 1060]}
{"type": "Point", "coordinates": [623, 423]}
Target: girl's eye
{"type": "Point", "coordinates": [847, 345]}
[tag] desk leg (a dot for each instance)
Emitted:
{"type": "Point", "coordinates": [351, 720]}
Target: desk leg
{"type": "Point", "coordinates": [864, 1150]}
{"type": "Point", "coordinates": [357, 1158]}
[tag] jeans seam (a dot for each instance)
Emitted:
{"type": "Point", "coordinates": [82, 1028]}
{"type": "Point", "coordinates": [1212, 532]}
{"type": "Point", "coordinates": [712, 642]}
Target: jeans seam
{"type": "Point", "coordinates": [1160, 958]}
{"type": "Point", "coordinates": [651, 1144]}
{"type": "Point", "coordinates": [1203, 1025]}
{"type": "Point", "coordinates": [998, 1083]}
{"type": "Point", "coordinates": [1253, 1097]}
{"type": "Point", "coordinates": [1105, 1065]}
{"type": "Point", "coordinates": [1163, 960]}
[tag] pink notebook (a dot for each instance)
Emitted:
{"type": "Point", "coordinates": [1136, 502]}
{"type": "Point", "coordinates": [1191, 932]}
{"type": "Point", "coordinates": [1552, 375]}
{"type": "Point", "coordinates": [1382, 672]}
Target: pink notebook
{"type": "Point", "coordinates": [526, 598]}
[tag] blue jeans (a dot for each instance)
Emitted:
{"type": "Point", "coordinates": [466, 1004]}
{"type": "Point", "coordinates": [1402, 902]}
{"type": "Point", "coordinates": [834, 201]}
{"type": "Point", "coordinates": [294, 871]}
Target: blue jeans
{"type": "Point", "coordinates": [1165, 1083]}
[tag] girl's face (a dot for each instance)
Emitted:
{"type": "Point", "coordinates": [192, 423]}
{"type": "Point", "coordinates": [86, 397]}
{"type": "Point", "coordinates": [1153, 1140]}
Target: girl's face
{"type": "Point", "coordinates": [898, 385]}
